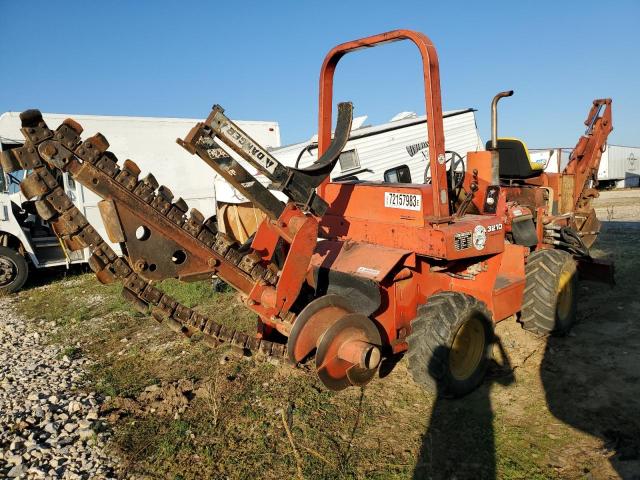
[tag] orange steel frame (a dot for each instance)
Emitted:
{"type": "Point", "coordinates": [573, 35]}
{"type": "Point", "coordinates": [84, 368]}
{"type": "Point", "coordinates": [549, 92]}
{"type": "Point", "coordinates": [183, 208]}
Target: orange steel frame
{"type": "Point", "coordinates": [412, 251]}
{"type": "Point", "coordinates": [433, 104]}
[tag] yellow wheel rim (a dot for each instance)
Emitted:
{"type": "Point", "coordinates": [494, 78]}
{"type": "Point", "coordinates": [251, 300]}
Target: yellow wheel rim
{"type": "Point", "coordinates": [565, 295]}
{"type": "Point", "coordinates": [467, 349]}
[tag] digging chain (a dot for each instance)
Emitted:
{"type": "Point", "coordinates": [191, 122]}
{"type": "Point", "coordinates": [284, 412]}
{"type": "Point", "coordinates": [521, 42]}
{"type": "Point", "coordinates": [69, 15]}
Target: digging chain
{"type": "Point", "coordinates": [46, 151]}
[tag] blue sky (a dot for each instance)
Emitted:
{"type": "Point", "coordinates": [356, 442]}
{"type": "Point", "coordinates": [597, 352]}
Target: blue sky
{"type": "Point", "coordinates": [261, 60]}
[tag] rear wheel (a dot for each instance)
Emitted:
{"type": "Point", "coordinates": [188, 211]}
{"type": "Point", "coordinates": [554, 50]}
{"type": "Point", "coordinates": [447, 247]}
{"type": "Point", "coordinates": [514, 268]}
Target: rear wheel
{"type": "Point", "coordinates": [450, 344]}
{"type": "Point", "coordinates": [549, 304]}
{"type": "Point", "coordinates": [13, 270]}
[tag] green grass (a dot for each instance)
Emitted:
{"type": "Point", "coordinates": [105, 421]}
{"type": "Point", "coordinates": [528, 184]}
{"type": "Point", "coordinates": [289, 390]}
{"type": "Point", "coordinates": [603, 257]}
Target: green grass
{"type": "Point", "coordinates": [234, 429]}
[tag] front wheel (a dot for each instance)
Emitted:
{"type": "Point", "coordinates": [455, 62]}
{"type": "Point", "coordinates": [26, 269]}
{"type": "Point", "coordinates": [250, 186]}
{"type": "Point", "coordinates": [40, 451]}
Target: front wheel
{"type": "Point", "coordinates": [13, 270]}
{"type": "Point", "coordinates": [450, 344]}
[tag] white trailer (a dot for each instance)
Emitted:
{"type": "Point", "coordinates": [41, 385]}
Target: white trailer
{"type": "Point", "coordinates": [148, 141]}
{"type": "Point", "coordinates": [620, 166]}
{"type": "Point", "coordinates": [396, 151]}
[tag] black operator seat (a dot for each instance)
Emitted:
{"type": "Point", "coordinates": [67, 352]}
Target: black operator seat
{"type": "Point", "coordinates": [515, 162]}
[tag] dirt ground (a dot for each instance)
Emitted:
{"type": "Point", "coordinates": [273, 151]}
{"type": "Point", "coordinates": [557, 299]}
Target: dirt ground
{"type": "Point", "coordinates": [551, 408]}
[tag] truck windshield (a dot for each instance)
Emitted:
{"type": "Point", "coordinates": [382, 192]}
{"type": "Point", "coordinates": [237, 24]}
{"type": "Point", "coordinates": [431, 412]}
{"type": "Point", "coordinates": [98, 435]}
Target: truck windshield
{"type": "Point", "coordinates": [13, 181]}
{"type": "Point", "coordinates": [10, 182]}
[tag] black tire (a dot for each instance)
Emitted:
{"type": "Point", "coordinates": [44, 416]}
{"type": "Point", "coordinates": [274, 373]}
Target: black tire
{"type": "Point", "coordinates": [433, 360]}
{"type": "Point", "coordinates": [13, 270]}
{"type": "Point", "coordinates": [549, 303]}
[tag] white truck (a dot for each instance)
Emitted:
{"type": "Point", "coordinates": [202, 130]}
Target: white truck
{"type": "Point", "coordinates": [27, 243]}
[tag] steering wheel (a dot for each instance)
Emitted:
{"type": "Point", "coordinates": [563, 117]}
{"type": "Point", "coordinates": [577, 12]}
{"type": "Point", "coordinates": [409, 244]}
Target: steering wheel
{"type": "Point", "coordinates": [455, 172]}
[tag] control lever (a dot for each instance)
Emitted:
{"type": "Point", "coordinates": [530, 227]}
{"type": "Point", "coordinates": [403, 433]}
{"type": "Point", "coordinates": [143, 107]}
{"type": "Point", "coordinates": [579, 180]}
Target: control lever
{"type": "Point", "coordinates": [462, 209]}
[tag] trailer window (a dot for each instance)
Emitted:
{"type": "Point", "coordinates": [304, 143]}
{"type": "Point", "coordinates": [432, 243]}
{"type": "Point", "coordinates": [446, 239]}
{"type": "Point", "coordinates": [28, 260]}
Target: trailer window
{"type": "Point", "coordinates": [349, 160]}
{"type": "Point", "coordinates": [399, 174]}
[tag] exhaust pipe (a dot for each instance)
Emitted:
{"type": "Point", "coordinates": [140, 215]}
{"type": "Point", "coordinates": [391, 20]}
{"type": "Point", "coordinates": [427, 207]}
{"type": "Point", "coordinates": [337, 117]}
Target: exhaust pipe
{"type": "Point", "coordinates": [494, 117]}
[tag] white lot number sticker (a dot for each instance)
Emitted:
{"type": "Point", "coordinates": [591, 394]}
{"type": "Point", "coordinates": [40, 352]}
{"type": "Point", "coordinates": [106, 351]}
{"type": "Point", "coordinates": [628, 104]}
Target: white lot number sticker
{"type": "Point", "coordinates": [405, 201]}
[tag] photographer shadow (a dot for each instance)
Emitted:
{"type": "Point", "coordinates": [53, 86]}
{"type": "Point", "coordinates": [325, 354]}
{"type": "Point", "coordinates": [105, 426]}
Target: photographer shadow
{"type": "Point", "coordinates": [591, 378]}
{"type": "Point", "coordinates": [459, 442]}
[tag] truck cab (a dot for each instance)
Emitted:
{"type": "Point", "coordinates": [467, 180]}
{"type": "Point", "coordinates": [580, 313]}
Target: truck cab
{"type": "Point", "coordinates": [26, 241]}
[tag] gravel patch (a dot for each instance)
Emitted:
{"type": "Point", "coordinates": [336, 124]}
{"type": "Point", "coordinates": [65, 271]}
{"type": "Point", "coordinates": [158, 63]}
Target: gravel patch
{"type": "Point", "coordinates": [50, 426]}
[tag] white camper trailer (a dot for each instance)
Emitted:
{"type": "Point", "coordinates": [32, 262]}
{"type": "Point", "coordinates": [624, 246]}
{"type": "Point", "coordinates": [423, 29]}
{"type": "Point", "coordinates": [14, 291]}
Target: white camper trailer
{"type": "Point", "coordinates": [396, 151]}
{"type": "Point", "coordinates": [148, 141]}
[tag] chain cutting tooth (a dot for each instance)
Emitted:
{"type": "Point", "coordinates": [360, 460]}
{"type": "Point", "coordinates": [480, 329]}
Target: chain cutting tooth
{"type": "Point", "coordinates": [177, 211]}
{"type": "Point", "coordinates": [265, 347]}
{"type": "Point", "coordinates": [150, 180]}
{"type": "Point", "coordinates": [146, 188]}
{"type": "Point", "coordinates": [197, 320]}
{"type": "Point", "coordinates": [168, 304]}
{"type": "Point", "coordinates": [212, 328]}
{"type": "Point", "coordinates": [9, 162]}
{"type": "Point", "coordinates": [226, 333]}
{"type": "Point", "coordinates": [194, 223]}
{"type": "Point", "coordinates": [31, 118]}
{"type": "Point", "coordinates": [240, 339]}
{"type": "Point", "coordinates": [162, 200]}
{"type": "Point", "coordinates": [68, 134]}
{"type": "Point", "coordinates": [45, 210]}
{"type": "Point", "coordinates": [223, 243]}
{"type": "Point", "coordinates": [166, 193]}
{"type": "Point", "coordinates": [249, 261]}
{"type": "Point", "coordinates": [33, 126]}
{"type": "Point", "coordinates": [128, 176]}
{"type": "Point", "coordinates": [108, 163]}
{"type": "Point", "coordinates": [59, 200]}
{"type": "Point", "coordinates": [100, 142]}
{"type": "Point", "coordinates": [207, 237]}
{"type": "Point", "coordinates": [234, 256]}
{"type": "Point", "coordinates": [253, 344]}
{"type": "Point", "coordinates": [258, 272]}
{"type": "Point", "coordinates": [21, 158]}
{"type": "Point", "coordinates": [152, 294]}
{"type": "Point", "coordinates": [182, 313]}
{"type": "Point", "coordinates": [134, 299]}
{"type": "Point", "coordinates": [73, 125]}
{"type": "Point", "coordinates": [92, 148]}
{"type": "Point", "coordinates": [181, 204]}
{"type": "Point", "coordinates": [211, 223]}
{"type": "Point", "coordinates": [161, 204]}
